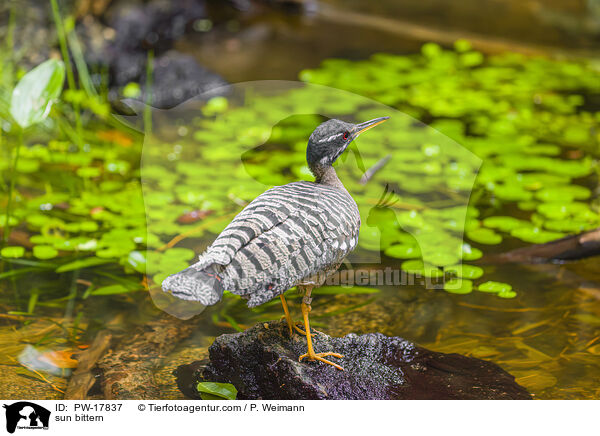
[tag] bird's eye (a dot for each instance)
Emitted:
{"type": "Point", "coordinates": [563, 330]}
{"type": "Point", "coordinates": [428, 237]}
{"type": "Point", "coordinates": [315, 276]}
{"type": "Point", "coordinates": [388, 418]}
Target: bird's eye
{"type": "Point", "coordinates": [346, 134]}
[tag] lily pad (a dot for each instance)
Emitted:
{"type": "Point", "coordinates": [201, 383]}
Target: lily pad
{"type": "Point", "coordinates": [44, 252]}
{"type": "Point", "coordinates": [465, 271]}
{"type": "Point", "coordinates": [484, 236]}
{"type": "Point", "coordinates": [12, 252]}
{"type": "Point", "coordinates": [458, 286]}
{"type": "Point", "coordinates": [494, 287]}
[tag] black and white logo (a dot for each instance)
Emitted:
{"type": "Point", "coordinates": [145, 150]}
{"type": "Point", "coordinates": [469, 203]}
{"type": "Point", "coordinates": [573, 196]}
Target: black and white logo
{"type": "Point", "coordinates": [26, 415]}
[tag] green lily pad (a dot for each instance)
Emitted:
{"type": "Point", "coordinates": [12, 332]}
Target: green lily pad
{"type": "Point", "coordinates": [535, 235]}
{"type": "Point", "coordinates": [505, 223]}
{"type": "Point", "coordinates": [403, 251]}
{"type": "Point", "coordinates": [12, 252]}
{"type": "Point", "coordinates": [137, 260]}
{"type": "Point", "coordinates": [484, 236]}
{"type": "Point", "coordinates": [507, 294]}
{"type": "Point", "coordinates": [458, 286]}
{"type": "Point", "coordinates": [465, 271]}
{"type": "Point", "coordinates": [470, 253]}
{"type": "Point", "coordinates": [494, 287]}
{"type": "Point", "coordinates": [563, 194]}
{"type": "Point", "coordinates": [420, 268]}
{"type": "Point", "coordinates": [44, 252]}
{"type": "Point", "coordinates": [568, 226]}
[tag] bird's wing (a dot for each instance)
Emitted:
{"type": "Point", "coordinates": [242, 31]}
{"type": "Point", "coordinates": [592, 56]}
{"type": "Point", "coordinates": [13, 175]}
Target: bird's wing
{"type": "Point", "coordinates": [286, 234]}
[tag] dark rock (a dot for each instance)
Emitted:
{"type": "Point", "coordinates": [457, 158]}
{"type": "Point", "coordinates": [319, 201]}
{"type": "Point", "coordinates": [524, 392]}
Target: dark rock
{"type": "Point", "coordinates": [156, 24]}
{"type": "Point", "coordinates": [118, 42]}
{"type": "Point", "coordinates": [178, 77]}
{"type": "Point", "coordinates": [262, 363]}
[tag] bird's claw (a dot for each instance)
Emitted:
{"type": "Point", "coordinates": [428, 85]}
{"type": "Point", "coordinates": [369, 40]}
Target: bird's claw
{"type": "Point", "coordinates": [320, 358]}
{"type": "Point", "coordinates": [292, 326]}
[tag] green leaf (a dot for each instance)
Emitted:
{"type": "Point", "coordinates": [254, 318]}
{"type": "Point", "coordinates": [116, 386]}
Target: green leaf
{"type": "Point", "coordinates": [458, 286]}
{"type": "Point", "coordinates": [12, 252]}
{"type": "Point", "coordinates": [44, 252]}
{"type": "Point", "coordinates": [484, 236]}
{"type": "Point", "coordinates": [82, 263]}
{"type": "Point", "coordinates": [465, 271]}
{"type": "Point", "coordinates": [403, 251]}
{"type": "Point", "coordinates": [33, 96]}
{"type": "Point", "coordinates": [137, 260]}
{"type": "Point", "coordinates": [535, 235]}
{"type": "Point", "coordinates": [110, 290]}
{"type": "Point", "coordinates": [225, 391]}
{"type": "Point", "coordinates": [470, 253]}
{"type": "Point", "coordinates": [505, 223]}
{"type": "Point", "coordinates": [494, 287]}
{"type": "Point", "coordinates": [507, 294]}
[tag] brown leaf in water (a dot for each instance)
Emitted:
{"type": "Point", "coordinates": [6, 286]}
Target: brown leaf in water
{"type": "Point", "coordinates": [574, 154]}
{"type": "Point", "coordinates": [96, 210]}
{"type": "Point", "coordinates": [193, 216]}
{"type": "Point", "coordinates": [116, 137]}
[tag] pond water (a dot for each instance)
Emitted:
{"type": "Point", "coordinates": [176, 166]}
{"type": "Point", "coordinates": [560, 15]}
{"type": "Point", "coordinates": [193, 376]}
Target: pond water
{"type": "Point", "coordinates": [532, 124]}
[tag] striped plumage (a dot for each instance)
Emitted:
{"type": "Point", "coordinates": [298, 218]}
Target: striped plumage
{"type": "Point", "coordinates": [296, 234]}
{"type": "Point", "coordinates": [291, 234]}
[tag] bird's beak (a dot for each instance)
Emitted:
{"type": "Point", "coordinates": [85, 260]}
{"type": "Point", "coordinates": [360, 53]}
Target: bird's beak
{"type": "Point", "coordinates": [363, 127]}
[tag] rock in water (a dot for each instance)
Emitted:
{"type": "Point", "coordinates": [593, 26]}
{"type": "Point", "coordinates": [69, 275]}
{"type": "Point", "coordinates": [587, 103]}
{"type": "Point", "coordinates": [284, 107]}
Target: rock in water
{"type": "Point", "coordinates": [262, 363]}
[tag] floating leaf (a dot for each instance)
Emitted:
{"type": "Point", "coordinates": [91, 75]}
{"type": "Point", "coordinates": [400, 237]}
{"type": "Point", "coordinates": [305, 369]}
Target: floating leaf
{"type": "Point", "coordinates": [465, 271]}
{"type": "Point", "coordinates": [494, 287]}
{"type": "Point", "coordinates": [12, 252]}
{"type": "Point", "coordinates": [458, 286]}
{"type": "Point", "coordinates": [484, 236]}
{"type": "Point", "coordinates": [563, 194]}
{"type": "Point", "coordinates": [470, 253]}
{"type": "Point", "coordinates": [44, 252]}
{"type": "Point", "coordinates": [535, 235]}
{"type": "Point", "coordinates": [505, 223]}
{"type": "Point", "coordinates": [422, 269]}
{"type": "Point", "coordinates": [403, 251]}
{"type": "Point", "coordinates": [137, 260]}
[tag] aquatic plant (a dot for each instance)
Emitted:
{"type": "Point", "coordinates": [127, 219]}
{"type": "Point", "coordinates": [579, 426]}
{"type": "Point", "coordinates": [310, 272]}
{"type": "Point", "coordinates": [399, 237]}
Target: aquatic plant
{"type": "Point", "coordinates": [79, 206]}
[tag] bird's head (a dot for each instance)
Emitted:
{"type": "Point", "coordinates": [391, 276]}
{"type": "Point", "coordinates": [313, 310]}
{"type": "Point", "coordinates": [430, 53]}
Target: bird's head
{"type": "Point", "coordinates": [330, 139]}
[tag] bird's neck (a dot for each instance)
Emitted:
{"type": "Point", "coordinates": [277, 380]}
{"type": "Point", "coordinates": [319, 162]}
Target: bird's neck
{"type": "Point", "coordinates": [326, 175]}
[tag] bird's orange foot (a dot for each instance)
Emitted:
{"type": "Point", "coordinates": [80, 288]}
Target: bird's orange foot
{"type": "Point", "coordinates": [292, 326]}
{"type": "Point", "coordinates": [320, 358]}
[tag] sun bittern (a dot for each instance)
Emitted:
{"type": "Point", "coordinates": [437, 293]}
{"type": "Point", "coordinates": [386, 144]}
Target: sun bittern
{"type": "Point", "coordinates": [291, 235]}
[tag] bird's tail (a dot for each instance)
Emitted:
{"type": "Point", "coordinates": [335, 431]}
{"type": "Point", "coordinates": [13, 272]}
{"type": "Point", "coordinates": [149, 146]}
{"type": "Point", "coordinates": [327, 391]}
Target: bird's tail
{"type": "Point", "coordinates": [202, 285]}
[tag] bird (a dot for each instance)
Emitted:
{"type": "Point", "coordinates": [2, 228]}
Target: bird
{"type": "Point", "coordinates": [291, 235]}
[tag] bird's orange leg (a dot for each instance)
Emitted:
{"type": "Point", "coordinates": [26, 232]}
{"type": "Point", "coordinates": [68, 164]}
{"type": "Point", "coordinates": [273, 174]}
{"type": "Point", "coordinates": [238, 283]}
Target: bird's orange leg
{"type": "Point", "coordinates": [311, 355]}
{"type": "Point", "coordinates": [291, 324]}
